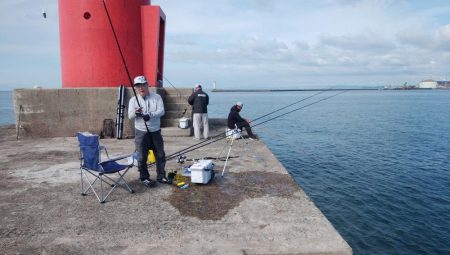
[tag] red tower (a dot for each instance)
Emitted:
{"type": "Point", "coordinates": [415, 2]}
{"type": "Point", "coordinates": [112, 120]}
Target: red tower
{"type": "Point", "coordinates": [89, 53]}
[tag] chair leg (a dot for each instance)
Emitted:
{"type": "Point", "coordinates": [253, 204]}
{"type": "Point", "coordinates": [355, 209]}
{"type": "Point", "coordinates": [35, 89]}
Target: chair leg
{"type": "Point", "coordinates": [101, 189]}
{"type": "Point", "coordinates": [85, 178]}
{"type": "Point", "coordinates": [125, 182]}
{"type": "Point", "coordinates": [104, 179]}
{"type": "Point", "coordinates": [91, 184]}
{"type": "Point", "coordinates": [121, 181]}
{"type": "Point", "coordinates": [83, 193]}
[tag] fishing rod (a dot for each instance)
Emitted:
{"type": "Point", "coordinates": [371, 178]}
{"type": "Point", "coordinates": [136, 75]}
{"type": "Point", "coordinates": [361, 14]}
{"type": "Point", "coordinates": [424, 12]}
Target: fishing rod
{"type": "Point", "coordinates": [190, 148]}
{"type": "Point", "coordinates": [282, 108]}
{"type": "Point", "coordinates": [294, 103]}
{"type": "Point", "coordinates": [297, 109]}
{"type": "Point", "coordinates": [164, 77]}
{"type": "Point", "coordinates": [179, 94]}
{"type": "Point", "coordinates": [177, 154]}
{"type": "Point", "coordinates": [18, 123]}
{"type": "Point", "coordinates": [123, 59]}
{"type": "Point", "coordinates": [198, 146]}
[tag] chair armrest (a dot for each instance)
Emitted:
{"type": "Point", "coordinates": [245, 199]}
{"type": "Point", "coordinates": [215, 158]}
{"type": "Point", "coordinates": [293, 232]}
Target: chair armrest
{"type": "Point", "coordinates": [101, 147]}
{"type": "Point", "coordinates": [117, 158]}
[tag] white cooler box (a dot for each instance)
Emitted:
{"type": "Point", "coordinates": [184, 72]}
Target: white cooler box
{"type": "Point", "coordinates": [202, 171]}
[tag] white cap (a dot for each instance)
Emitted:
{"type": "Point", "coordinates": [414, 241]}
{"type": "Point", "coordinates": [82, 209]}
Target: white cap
{"type": "Point", "coordinates": [198, 85]}
{"type": "Point", "coordinates": [240, 104]}
{"type": "Point", "coordinates": [140, 80]}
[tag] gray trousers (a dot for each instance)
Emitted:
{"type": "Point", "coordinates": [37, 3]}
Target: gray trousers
{"type": "Point", "coordinates": [200, 119]}
{"type": "Point", "coordinates": [144, 142]}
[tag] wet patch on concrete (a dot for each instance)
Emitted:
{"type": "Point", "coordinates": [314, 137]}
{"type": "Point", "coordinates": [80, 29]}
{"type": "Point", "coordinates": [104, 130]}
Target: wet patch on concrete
{"type": "Point", "coordinates": [53, 157]}
{"type": "Point", "coordinates": [214, 200]}
{"type": "Point", "coordinates": [54, 154]}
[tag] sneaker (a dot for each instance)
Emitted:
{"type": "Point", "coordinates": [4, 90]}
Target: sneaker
{"type": "Point", "coordinates": [148, 183]}
{"type": "Point", "coordinates": [164, 180]}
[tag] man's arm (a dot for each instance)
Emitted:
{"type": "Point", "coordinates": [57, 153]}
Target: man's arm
{"type": "Point", "coordinates": [159, 107]}
{"type": "Point", "coordinates": [132, 108]}
{"type": "Point", "coordinates": [239, 118]}
{"type": "Point", "coordinates": [191, 98]}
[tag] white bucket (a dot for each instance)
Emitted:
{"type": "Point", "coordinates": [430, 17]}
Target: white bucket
{"type": "Point", "coordinates": [184, 123]}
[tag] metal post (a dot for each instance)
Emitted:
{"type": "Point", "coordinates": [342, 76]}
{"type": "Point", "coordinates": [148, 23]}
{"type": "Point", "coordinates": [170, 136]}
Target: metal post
{"type": "Point", "coordinates": [228, 155]}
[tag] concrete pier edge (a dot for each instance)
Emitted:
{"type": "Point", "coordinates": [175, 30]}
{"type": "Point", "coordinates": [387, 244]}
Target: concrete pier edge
{"type": "Point", "coordinates": [257, 208]}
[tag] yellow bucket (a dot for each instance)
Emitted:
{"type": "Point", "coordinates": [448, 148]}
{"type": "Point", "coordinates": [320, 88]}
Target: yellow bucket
{"type": "Point", "coordinates": [151, 157]}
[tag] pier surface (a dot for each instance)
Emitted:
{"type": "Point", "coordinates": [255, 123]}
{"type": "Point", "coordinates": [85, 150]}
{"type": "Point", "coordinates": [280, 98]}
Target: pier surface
{"type": "Point", "coordinates": [256, 208]}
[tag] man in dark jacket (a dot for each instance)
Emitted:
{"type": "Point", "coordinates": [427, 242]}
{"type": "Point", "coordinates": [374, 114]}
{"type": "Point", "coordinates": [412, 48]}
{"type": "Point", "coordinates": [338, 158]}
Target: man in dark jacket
{"type": "Point", "coordinates": [235, 120]}
{"type": "Point", "coordinates": [199, 101]}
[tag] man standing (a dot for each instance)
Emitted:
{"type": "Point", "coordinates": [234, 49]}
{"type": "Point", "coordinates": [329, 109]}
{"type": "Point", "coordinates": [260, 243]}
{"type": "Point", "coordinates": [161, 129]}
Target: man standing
{"type": "Point", "coordinates": [147, 123]}
{"type": "Point", "coordinates": [236, 121]}
{"type": "Point", "coordinates": [199, 101]}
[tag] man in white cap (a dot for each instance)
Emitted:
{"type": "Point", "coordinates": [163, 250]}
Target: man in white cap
{"type": "Point", "coordinates": [199, 101]}
{"type": "Point", "coordinates": [147, 123]}
{"type": "Point", "coordinates": [236, 121]}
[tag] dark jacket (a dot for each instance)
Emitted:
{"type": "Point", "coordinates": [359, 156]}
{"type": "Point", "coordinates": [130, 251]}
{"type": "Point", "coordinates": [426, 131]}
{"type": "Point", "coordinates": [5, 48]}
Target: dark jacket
{"type": "Point", "coordinates": [234, 118]}
{"type": "Point", "coordinates": [199, 101]}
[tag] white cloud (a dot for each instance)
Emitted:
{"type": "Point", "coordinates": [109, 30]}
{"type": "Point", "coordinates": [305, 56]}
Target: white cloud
{"type": "Point", "coordinates": [350, 42]}
{"type": "Point", "coordinates": [289, 43]}
{"type": "Point", "coordinates": [442, 37]}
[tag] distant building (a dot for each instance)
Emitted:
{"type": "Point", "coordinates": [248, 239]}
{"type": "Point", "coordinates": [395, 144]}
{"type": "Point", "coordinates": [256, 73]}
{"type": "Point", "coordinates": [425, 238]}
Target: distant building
{"type": "Point", "coordinates": [428, 84]}
{"type": "Point", "coordinates": [443, 84]}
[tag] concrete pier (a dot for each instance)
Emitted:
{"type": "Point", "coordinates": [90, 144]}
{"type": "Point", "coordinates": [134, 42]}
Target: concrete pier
{"type": "Point", "coordinates": [256, 208]}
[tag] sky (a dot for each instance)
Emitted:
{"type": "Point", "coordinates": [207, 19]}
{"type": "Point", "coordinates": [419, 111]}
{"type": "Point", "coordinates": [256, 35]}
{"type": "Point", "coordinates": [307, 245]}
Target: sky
{"type": "Point", "coordinates": [257, 43]}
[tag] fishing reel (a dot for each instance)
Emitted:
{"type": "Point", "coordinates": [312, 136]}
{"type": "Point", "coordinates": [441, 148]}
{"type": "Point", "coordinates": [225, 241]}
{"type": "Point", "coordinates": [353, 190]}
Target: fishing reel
{"type": "Point", "coordinates": [181, 158]}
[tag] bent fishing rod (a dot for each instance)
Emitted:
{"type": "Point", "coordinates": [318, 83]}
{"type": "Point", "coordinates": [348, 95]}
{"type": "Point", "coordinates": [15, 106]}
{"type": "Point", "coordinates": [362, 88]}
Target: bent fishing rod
{"type": "Point", "coordinates": [294, 103]}
{"type": "Point", "coordinates": [123, 59]}
{"type": "Point", "coordinates": [265, 115]}
{"type": "Point", "coordinates": [191, 148]}
{"type": "Point", "coordinates": [300, 108]}
{"type": "Point", "coordinates": [179, 94]}
{"type": "Point", "coordinates": [198, 146]}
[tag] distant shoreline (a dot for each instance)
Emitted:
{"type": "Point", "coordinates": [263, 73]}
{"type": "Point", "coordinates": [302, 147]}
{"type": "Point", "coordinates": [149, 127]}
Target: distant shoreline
{"type": "Point", "coordinates": [290, 90]}
{"type": "Point", "coordinates": [285, 90]}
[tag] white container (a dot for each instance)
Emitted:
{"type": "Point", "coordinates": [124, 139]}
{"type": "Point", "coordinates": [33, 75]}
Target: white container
{"type": "Point", "coordinates": [233, 133]}
{"type": "Point", "coordinates": [184, 123]}
{"type": "Point", "coordinates": [202, 171]}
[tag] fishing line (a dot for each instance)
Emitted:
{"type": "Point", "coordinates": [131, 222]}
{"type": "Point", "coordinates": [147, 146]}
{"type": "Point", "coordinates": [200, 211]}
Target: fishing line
{"type": "Point", "coordinates": [282, 108]}
{"type": "Point", "coordinates": [123, 59]}
{"type": "Point", "coordinates": [297, 109]}
{"type": "Point", "coordinates": [164, 77]}
{"type": "Point", "coordinates": [19, 125]}
{"type": "Point", "coordinates": [197, 146]}
{"type": "Point", "coordinates": [137, 52]}
{"type": "Point", "coordinates": [294, 103]}
{"type": "Point", "coordinates": [179, 94]}
{"type": "Point", "coordinates": [213, 140]}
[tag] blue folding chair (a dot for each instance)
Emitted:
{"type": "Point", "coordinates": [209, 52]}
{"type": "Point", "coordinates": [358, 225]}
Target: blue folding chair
{"type": "Point", "coordinates": [109, 172]}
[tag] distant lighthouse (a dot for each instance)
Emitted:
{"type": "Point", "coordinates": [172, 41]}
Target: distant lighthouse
{"type": "Point", "coordinates": [89, 53]}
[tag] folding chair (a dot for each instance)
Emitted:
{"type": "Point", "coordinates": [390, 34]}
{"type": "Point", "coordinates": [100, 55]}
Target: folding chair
{"type": "Point", "coordinates": [94, 171]}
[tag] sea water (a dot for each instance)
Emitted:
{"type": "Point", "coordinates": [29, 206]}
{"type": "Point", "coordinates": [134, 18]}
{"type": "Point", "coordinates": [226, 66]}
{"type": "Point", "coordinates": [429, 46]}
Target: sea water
{"type": "Point", "coordinates": [376, 163]}
{"type": "Point", "coordinates": [6, 108]}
